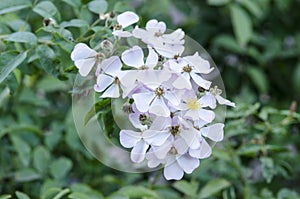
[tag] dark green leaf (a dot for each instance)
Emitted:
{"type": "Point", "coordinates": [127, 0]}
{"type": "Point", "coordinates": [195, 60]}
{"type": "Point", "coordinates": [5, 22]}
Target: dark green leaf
{"type": "Point", "coordinates": [41, 158]}
{"type": "Point", "coordinates": [47, 10]}
{"type": "Point", "coordinates": [21, 195]}
{"type": "Point", "coordinates": [136, 192]}
{"type": "Point", "coordinates": [60, 168]}
{"type": "Point", "coordinates": [253, 7]}
{"type": "Point", "coordinates": [26, 175]}
{"type": "Point", "coordinates": [13, 5]}
{"type": "Point", "coordinates": [22, 148]}
{"type": "Point", "coordinates": [259, 79]}
{"type": "Point", "coordinates": [188, 188]}
{"type": "Point", "coordinates": [218, 2]}
{"type": "Point", "coordinates": [74, 23]}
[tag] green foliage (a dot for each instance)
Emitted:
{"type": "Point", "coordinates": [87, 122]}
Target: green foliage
{"type": "Point", "coordinates": [256, 45]}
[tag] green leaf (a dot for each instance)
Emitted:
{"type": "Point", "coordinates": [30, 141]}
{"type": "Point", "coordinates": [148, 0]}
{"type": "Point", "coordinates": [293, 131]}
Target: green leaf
{"type": "Point", "coordinates": [60, 168]}
{"type": "Point", "coordinates": [41, 158]}
{"type": "Point", "coordinates": [51, 84]}
{"type": "Point", "coordinates": [252, 6]}
{"type": "Point", "coordinates": [242, 25]}
{"type": "Point", "coordinates": [268, 168]}
{"type": "Point", "coordinates": [26, 175]}
{"type": "Point", "coordinates": [11, 65]}
{"type": "Point", "coordinates": [188, 188]}
{"type": "Point", "coordinates": [218, 2]}
{"type": "Point", "coordinates": [296, 78]}
{"type": "Point", "coordinates": [48, 60]}
{"type": "Point", "coordinates": [22, 148]}
{"type": "Point", "coordinates": [136, 192]}
{"type": "Point", "coordinates": [6, 196]}
{"type": "Point", "coordinates": [78, 195]}
{"type": "Point", "coordinates": [21, 195]}
{"type": "Point", "coordinates": [73, 3]}
{"type": "Point", "coordinates": [79, 23]}
{"type": "Point", "coordinates": [259, 79]}
{"type": "Point", "coordinates": [98, 6]}
{"type": "Point", "coordinates": [96, 108]}
{"type": "Point", "coordinates": [12, 6]}
{"type": "Point", "coordinates": [61, 193]}
{"type": "Point", "coordinates": [229, 43]}
{"type": "Point", "coordinates": [47, 9]}
{"type": "Point", "coordinates": [213, 187]}
{"type": "Point", "coordinates": [23, 37]}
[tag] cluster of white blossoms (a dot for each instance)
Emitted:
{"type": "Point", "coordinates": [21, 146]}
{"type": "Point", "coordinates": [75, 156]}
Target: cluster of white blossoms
{"type": "Point", "coordinates": [169, 102]}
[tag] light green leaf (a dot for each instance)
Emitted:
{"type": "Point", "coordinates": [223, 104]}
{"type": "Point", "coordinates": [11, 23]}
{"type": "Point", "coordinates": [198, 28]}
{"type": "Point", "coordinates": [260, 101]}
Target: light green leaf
{"type": "Point", "coordinates": [6, 196]}
{"type": "Point", "coordinates": [242, 25]}
{"type": "Point", "coordinates": [41, 158]}
{"type": "Point", "coordinates": [218, 2]}
{"type": "Point", "coordinates": [47, 9]}
{"type": "Point", "coordinates": [259, 78]}
{"type": "Point", "coordinates": [11, 65]}
{"type": "Point", "coordinates": [74, 23]}
{"type": "Point", "coordinates": [213, 187]}
{"type": "Point", "coordinates": [252, 7]}
{"type": "Point", "coordinates": [98, 6]}
{"type": "Point", "coordinates": [228, 42]}
{"type": "Point", "coordinates": [26, 175]}
{"type": "Point", "coordinates": [50, 84]}
{"type": "Point", "coordinates": [268, 168]}
{"type": "Point", "coordinates": [21, 195]}
{"type": "Point", "coordinates": [296, 78]}
{"type": "Point", "coordinates": [136, 192]}
{"type": "Point", "coordinates": [61, 193]}
{"type": "Point", "coordinates": [23, 37]}
{"type": "Point", "coordinates": [73, 3]}
{"type": "Point", "coordinates": [60, 168]}
{"type": "Point", "coordinates": [78, 195]}
{"type": "Point", "coordinates": [188, 188]}
{"type": "Point", "coordinates": [22, 148]}
{"type": "Point", "coordinates": [12, 6]}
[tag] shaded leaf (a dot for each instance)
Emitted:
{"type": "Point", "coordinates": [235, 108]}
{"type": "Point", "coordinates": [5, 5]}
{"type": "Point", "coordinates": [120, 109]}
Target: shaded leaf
{"type": "Point", "coordinates": [26, 175]}
{"type": "Point", "coordinates": [47, 10]}
{"type": "Point", "coordinates": [41, 158]}
{"type": "Point", "coordinates": [98, 6]}
{"type": "Point", "coordinates": [23, 37]}
{"type": "Point", "coordinates": [22, 148]}
{"type": "Point", "coordinates": [188, 188]}
{"type": "Point", "coordinates": [259, 78]}
{"type": "Point", "coordinates": [60, 168]}
{"type": "Point", "coordinates": [21, 195]}
{"type": "Point", "coordinates": [213, 187]}
{"type": "Point", "coordinates": [218, 2]}
{"type": "Point", "coordinates": [12, 6]}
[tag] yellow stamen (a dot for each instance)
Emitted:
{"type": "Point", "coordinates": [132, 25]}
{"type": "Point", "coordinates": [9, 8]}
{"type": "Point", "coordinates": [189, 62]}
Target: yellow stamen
{"type": "Point", "coordinates": [193, 104]}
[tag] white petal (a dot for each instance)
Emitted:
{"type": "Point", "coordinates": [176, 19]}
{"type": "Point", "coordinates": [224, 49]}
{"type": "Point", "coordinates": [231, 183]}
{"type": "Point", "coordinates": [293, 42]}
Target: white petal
{"type": "Point", "coordinates": [143, 100]}
{"type": "Point", "coordinates": [209, 100]}
{"type": "Point", "coordinates": [111, 65]}
{"type": "Point", "coordinates": [84, 66]}
{"type": "Point", "coordinates": [180, 145]}
{"type": "Point", "coordinates": [82, 51]}
{"type": "Point", "coordinates": [152, 58]}
{"type": "Point", "coordinates": [175, 37]}
{"type": "Point", "coordinates": [192, 114]}
{"type": "Point", "coordinates": [153, 161]}
{"type": "Point", "coordinates": [214, 132]}
{"type": "Point", "coordinates": [133, 57]}
{"type": "Point", "coordinates": [112, 92]}
{"type": "Point", "coordinates": [159, 107]}
{"type": "Point", "coordinates": [162, 151]}
{"type": "Point", "coordinates": [127, 18]}
{"type": "Point", "coordinates": [171, 97]}
{"type": "Point", "coordinates": [103, 81]}
{"type": "Point", "coordinates": [222, 100]}
{"type": "Point", "coordinates": [182, 83]}
{"type": "Point", "coordinates": [200, 81]}
{"type": "Point", "coordinates": [138, 152]}
{"type": "Point", "coordinates": [201, 65]}
{"type": "Point", "coordinates": [121, 33]}
{"type": "Point", "coordinates": [139, 33]}
{"type": "Point", "coordinates": [205, 150]}
{"type": "Point", "coordinates": [135, 121]}
{"type": "Point", "coordinates": [206, 115]}
{"type": "Point", "coordinates": [174, 66]}
{"type": "Point", "coordinates": [188, 163]}
{"type": "Point", "coordinates": [129, 138]}
{"type": "Point", "coordinates": [173, 171]}
{"type": "Point", "coordinates": [155, 26]}
{"type": "Point", "coordinates": [160, 138]}
{"type": "Point", "coordinates": [190, 137]}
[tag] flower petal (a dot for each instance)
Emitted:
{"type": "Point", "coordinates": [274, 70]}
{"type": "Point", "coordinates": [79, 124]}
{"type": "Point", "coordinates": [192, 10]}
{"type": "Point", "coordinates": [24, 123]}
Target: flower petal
{"type": "Point", "coordinates": [200, 81]}
{"type": "Point", "coordinates": [103, 81]}
{"type": "Point", "coordinates": [152, 58]}
{"type": "Point", "coordinates": [127, 18]}
{"type": "Point", "coordinates": [82, 51]}
{"type": "Point", "coordinates": [160, 138]}
{"type": "Point", "coordinates": [138, 152]}
{"type": "Point", "coordinates": [84, 66]}
{"type": "Point", "coordinates": [214, 132]}
{"type": "Point", "coordinates": [153, 161]}
{"type": "Point", "coordinates": [222, 100]}
{"type": "Point", "coordinates": [188, 163]}
{"type": "Point", "coordinates": [121, 33]}
{"type": "Point", "coordinates": [111, 65]}
{"type": "Point", "coordinates": [159, 107]}
{"type": "Point", "coordinates": [201, 65]}
{"type": "Point", "coordinates": [112, 92]}
{"type": "Point", "coordinates": [173, 171]}
{"type": "Point", "coordinates": [154, 26]}
{"type": "Point", "coordinates": [129, 138]}
{"type": "Point", "coordinates": [133, 57]}
{"type": "Point", "coordinates": [143, 100]}
{"type": "Point", "coordinates": [209, 100]}
{"type": "Point", "coordinates": [206, 115]}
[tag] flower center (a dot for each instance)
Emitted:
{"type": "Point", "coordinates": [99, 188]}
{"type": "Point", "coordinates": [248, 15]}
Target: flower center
{"type": "Point", "coordinates": [193, 104]}
{"type": "Point", "coordinates": [144, 67]}
{"type": "Point", "coordinates": [215, 91]}
{"type": "Point", "coordinates": [142, 117]}
{"type": "Point", "coordinates": [116, 81]}
{"type": "Point", "coordinates": [158, 34]}
{"type": "Point", "coordinates": [127, 108]}
{"type": "Point", "coordinates": [159, 91]}
{"type": "Point", "coordinates": [117, 27]}
{"type": "Point", "coordinates": [187, 69]}
{"type": "Point", "coordinates": [174, 130]}
{"type": "Point", "coordinates": [173, 151]}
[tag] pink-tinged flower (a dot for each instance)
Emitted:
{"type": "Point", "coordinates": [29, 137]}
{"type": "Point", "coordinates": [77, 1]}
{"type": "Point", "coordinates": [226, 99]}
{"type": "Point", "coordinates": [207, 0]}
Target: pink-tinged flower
{"type": "Point", "coordinates": [124, 20]}
{"type": "Point", "coordinates": [189, 68]}
{"type": "Point", "coordinates": [167, 45]}
{"type": "Point", "coordinates": [84, 58]}
{"type": "Point", "coordinates": [213, 96]}
{"type": "Point", "coordinates": [109, 79]}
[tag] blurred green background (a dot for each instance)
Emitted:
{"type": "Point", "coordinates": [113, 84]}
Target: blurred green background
{"type": "Point", "coordinates": [254, 43]}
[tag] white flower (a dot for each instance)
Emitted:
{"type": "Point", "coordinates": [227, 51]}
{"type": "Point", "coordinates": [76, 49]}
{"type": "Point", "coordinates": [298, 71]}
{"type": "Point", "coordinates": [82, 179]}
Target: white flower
{"type": "Point", "coordinates": [124, 20]}
{"type": "Point", "coordinates": [214, 96]}
{"type": "Point", "coordinates": [167, 45]}
{"type": "Point", "coordinates": [110, 77]}
{"type": "Point", "coordinates": [187, 68]}
{"type": "Point", "coordinates": [84, 58]}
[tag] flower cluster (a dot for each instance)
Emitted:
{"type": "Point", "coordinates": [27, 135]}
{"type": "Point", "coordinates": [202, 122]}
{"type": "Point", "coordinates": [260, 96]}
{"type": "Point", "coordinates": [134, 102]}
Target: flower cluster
{"type": "Point", "coordinates": [171, 104]}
